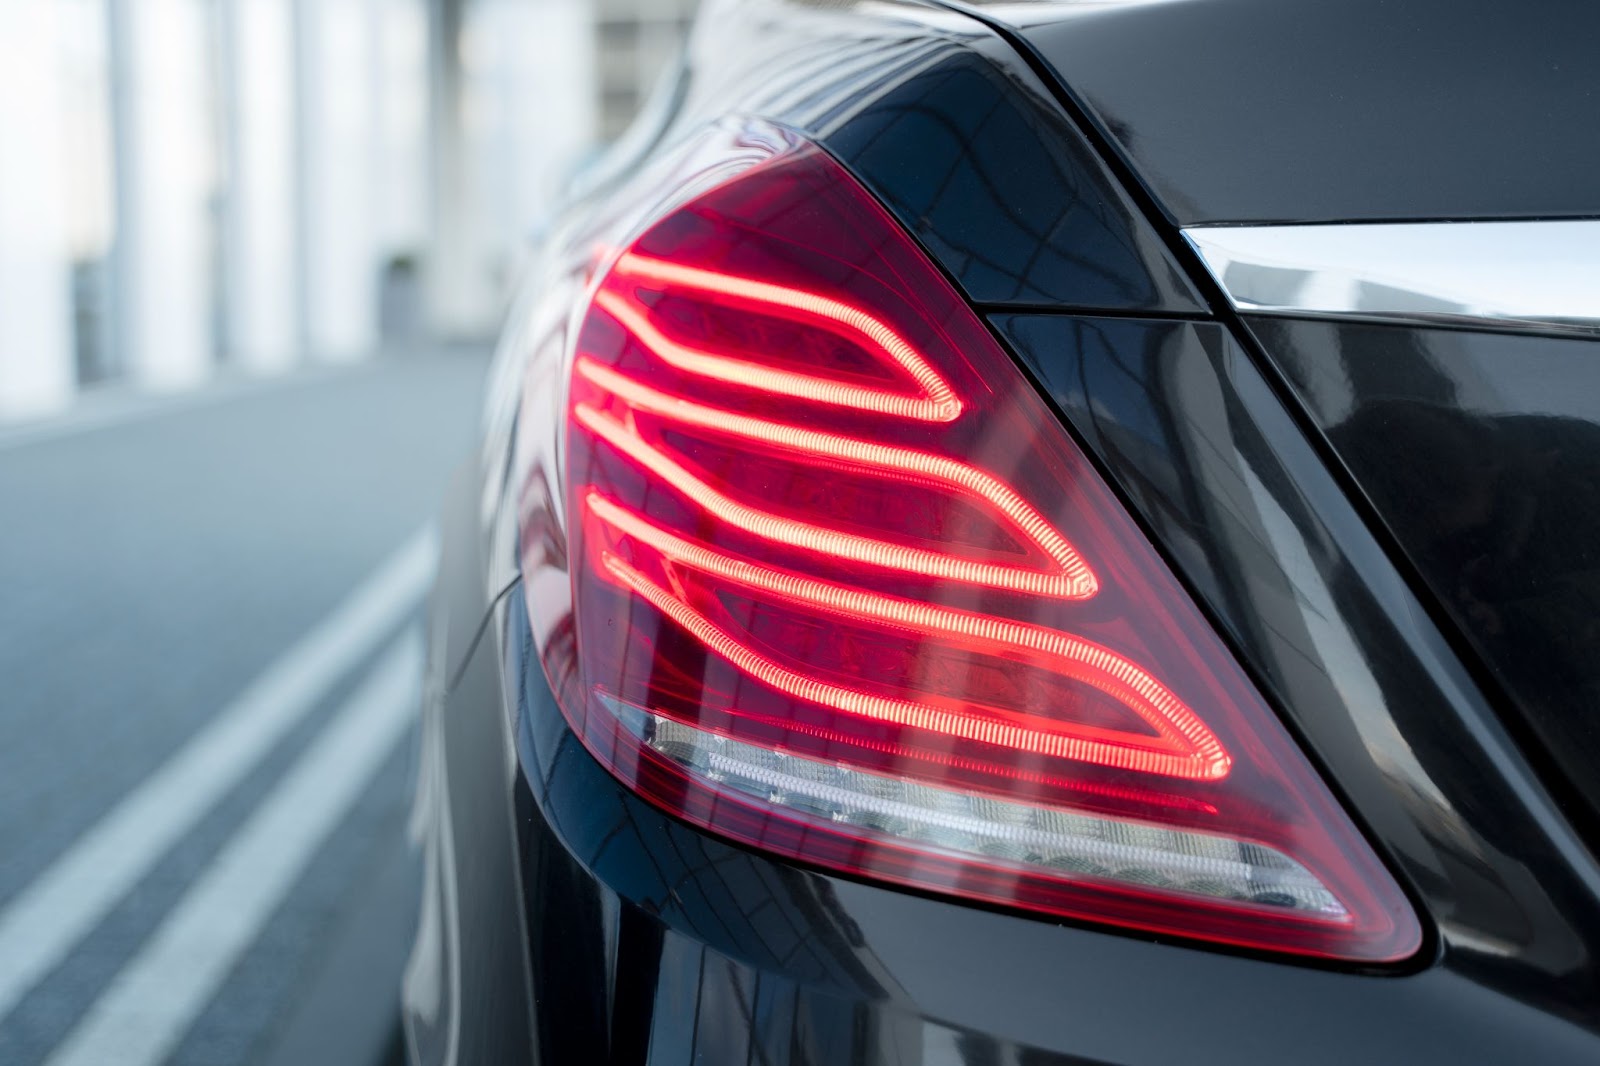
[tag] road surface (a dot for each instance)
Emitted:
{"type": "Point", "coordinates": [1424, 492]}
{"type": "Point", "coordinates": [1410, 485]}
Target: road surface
{"type": "Point", "coordinates": [210, 652]}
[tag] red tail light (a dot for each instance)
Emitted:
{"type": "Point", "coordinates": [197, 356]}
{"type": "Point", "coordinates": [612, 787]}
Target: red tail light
{"type": "Point", "coordinates": [845, 591]}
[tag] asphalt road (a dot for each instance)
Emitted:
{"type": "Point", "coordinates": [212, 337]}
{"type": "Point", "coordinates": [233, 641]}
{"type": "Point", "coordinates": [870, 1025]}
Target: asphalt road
{"type": "Point", "coordinates": [209, 659]}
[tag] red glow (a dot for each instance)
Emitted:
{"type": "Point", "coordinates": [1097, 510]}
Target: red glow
{"type": "Point", "coordinates": [1183, 746]}
{"type": "Point", "coordinates": [1072, 580]}
{"type": "Point", "coordinates": [934, 401]}
{"type": "Point", "coordinates": [912, 576]}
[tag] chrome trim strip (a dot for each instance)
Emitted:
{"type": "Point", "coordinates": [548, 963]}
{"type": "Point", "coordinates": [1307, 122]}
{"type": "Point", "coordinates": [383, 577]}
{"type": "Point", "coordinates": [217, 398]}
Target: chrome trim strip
{"type": "Point", "coordinates": [1503, 275]}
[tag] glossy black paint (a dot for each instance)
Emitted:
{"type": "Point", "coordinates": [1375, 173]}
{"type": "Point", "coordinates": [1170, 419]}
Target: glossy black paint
{"type": "Point", "coordinates": [1481, 452]}
{"type": "Point", "coordinates": [1310, 111]}
{"type": "Point", "coordinates": [1005, 195]}
{"type": "Point", "coordinates": [1250, 517]}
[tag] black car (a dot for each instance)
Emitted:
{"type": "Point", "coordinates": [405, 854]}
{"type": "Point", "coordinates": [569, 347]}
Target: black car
{"type": "Point", "coordinates": [1041, 533]}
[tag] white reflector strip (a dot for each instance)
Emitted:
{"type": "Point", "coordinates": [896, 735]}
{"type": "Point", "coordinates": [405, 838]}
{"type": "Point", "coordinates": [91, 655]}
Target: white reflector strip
{"type": "Point", "coordinates": [1060, 842]}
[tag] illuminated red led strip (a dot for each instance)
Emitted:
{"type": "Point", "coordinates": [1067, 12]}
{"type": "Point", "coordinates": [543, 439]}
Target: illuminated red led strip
{"type": "Point", "coordinates": [815, 538]}
{"type": "Point", "coordinates": [1074, 580]}
{"type": "Point", "coordinates": [1183, 748]}
{"type": "Point", "coordinates": [937, 402]}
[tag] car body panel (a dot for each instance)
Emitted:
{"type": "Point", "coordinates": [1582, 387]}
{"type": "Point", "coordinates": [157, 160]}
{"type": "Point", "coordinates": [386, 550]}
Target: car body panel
{"type": "Point", "coordinates": [1481, 454]}
{"type": "Point", "coordinates": [1362, 110]}
{"type": "Point", "coordinates": [466, 997]}
{"type": "Point", "coordinates": [974, 160]}
{"type": "Point", "coordinates": [1209, 455]}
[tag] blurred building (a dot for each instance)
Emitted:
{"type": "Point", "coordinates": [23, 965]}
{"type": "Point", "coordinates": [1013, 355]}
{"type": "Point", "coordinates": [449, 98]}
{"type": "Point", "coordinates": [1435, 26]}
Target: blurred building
{"type": "Point", "coordinates": [188, 185]}
{"type": "Point", "coordinates": [635, 40]}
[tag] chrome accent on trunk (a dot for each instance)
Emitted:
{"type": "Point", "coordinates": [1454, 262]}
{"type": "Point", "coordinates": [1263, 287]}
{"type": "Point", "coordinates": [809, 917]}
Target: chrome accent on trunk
{"type": "Point", "coordinates": [1541, 276]}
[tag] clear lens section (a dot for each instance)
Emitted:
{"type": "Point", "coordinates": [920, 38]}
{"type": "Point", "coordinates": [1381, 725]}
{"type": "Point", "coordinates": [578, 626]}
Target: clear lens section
{"type": "Point", "coordinates": [988, 828]}
{"type": "Point", "coordinates": [844, 590]}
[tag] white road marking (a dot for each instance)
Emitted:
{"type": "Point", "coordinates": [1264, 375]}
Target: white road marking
{"type": "Point", "coordinates": [152, 1002]}
{"type": "Point", "coordinates": [47, 919]}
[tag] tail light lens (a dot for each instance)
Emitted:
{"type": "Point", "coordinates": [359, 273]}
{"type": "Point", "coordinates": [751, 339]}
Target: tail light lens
{"type": "Point", "coordinates": [845, 591]}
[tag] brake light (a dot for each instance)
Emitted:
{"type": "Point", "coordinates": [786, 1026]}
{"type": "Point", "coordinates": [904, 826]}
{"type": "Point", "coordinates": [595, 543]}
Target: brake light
{"type": "Point", "coordinates": [845, 591]}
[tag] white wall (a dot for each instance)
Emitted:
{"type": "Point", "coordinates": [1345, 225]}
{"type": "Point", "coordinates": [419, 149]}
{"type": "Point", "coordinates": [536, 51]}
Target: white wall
{"type": "Point", "coordinates": [36, 359]}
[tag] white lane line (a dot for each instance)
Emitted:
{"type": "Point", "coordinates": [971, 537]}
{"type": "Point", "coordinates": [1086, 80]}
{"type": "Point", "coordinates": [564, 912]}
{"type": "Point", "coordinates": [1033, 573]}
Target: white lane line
{"type": "Point", "coordinates": [152, 1002]}
{"type": "Point", "coordinates": [47, 919]}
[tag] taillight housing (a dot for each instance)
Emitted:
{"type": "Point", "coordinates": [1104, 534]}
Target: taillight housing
{"type": "Point", "coordinates": [844, 590]}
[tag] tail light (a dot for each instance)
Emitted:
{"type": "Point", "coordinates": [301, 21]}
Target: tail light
{"type": "Point", "coordinates": [845, 591]}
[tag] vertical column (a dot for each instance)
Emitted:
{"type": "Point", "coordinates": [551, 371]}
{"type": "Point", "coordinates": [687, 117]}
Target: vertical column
{"type": "Point", "coordinates": [166, 169]}
{"type": "Point", "coordinates": [401, 157]}
{"type": "Point", "coordinates": [452, 303]}
{"type": "Point", "coordinates": [262, 314]}
{"type": "Point", "coordinates": [338, 213]}
{"type": "Point", "coordinates": [36, 358]}
{"type": "Point", "coordinates": [401, 151]}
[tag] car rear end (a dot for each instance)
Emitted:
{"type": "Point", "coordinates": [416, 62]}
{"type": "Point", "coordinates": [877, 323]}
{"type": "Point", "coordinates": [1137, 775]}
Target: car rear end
{"type": "Point", "coordinates": [916, 604]}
